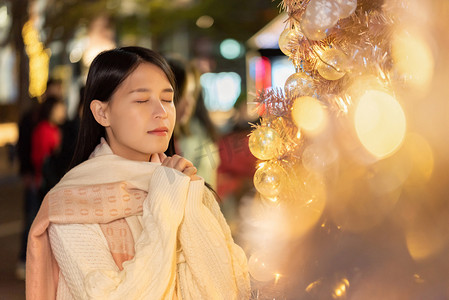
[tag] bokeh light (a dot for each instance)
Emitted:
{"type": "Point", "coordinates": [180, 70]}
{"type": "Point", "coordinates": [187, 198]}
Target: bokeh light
{"type": "Point", "coordinates": [413, 58]}
{"type": "Point", "coordinates": [205, 21]}
{"type": "Point", "coordinates": [380, 123]}
{"type": "Point", "coordinates": [309, 114]}
{"type": "Point", "coordinates": [230, 49]}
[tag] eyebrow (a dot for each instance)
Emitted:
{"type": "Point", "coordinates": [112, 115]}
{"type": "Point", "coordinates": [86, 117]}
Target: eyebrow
{"type": "Point", "coordinates": [145, 90]}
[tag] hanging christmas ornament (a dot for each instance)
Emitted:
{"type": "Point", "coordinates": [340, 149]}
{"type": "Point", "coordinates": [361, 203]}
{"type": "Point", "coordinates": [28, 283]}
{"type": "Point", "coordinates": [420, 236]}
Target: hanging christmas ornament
{"type": "Point", "coordinates": [347, 7]}
{"type": "Point", "coordinates": [312, 32]}
{"type": "Point", "coordinates": [269, 179]}
{"type": "Point", "coordinates": [264, 143]}
{"type": "Point", "coordinates": [299, 84]}
{"type": "Point", "coordinates": [319, 16]}
{"type": "Point", "coordinates": [284, 40]}
{"type": "Point", "coordinates": [332, 64]}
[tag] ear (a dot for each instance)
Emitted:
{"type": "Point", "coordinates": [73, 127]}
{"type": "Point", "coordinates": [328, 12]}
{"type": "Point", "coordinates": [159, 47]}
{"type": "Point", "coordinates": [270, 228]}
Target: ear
{"type": "Point", "coordinates": [99, 111]}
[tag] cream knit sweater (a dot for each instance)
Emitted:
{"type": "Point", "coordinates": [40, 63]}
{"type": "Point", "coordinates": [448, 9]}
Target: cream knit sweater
{"type": "Point", "coordinates": [183, 250]}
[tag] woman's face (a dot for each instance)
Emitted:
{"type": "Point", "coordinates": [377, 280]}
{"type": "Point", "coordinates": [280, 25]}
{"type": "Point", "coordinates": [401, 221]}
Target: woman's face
{"type": "Point", "coordinates": [141, 114]}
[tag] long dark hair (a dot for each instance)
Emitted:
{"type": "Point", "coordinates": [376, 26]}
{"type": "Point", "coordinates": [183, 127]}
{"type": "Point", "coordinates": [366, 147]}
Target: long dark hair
{"type": "Point", "coordinates": [107, 71]}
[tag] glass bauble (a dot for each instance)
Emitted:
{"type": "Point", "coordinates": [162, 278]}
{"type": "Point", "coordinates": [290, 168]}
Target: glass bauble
{"type": "Point", "coordinates": [284, 40]}
{"type": "Point", "coordinates": [264, 142]}
{"type": "Point", "coordinates": [321, 14]}
{"type": "Point", "coordinates": [299, 84]}
{"type": "Point", "coordinates": [347, 7]}
{"type": "Point", "coordinates": [269, 179]}
{"type": "Point", "coordinates": [333, 64]}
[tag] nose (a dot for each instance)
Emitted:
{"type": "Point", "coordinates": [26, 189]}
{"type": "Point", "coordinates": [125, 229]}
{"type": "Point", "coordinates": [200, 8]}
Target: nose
{"type": "Point", "coordinates": [159, 110]}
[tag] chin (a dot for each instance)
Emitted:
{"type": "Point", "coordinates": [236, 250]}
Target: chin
{"type": "Point", "coordinates": [160, 149]}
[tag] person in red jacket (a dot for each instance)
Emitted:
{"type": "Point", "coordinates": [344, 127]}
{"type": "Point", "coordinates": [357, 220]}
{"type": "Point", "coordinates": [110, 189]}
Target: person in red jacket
{"type": "Point", "coordinates": [46, 136]}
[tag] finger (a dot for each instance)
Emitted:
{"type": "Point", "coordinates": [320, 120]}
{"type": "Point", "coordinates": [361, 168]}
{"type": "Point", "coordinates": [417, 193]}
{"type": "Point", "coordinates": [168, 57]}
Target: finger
{"type": "Point", "coordinates": [190, 171]}
{"type": "Point", "coordinates": [155, 158]}
{"type": "Point", "coordinates": [182, 164]}
{"type": "Point", "coordinates": [166, 161]}
{"type": "Point", "coordinates": [195, 177]}
{"type": "Point", "coordinates": [173, 161]}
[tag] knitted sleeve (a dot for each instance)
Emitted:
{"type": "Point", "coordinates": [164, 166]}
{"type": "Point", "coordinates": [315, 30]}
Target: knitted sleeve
{"type": "Point", "coordinates": [88, 267]}
{"type": "Point", "coordinates": [215, 267]}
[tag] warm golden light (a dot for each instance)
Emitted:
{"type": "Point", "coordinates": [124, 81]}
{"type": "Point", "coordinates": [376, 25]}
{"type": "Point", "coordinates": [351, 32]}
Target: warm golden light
{"type": "Point", "coordinates": [380, 123]}
{"type": "Point", "coordinates": [39, 59]}
{"type": "Point", "coordinates": [413, 58]}
{"type": "Point", "coordinates": [340, 289]}
{"type": "Point", "coordinates": [9, 133]}
{"type": "Point", "coordinates": [309, 114]}
{"type": "Point", "coordinates": [276, 278]}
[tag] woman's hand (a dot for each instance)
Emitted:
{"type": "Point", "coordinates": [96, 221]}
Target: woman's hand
{"type": "Point", "coordinates": [176, 162]}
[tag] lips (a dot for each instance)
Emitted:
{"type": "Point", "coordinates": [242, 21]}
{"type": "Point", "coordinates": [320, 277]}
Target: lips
{"type": "Point", "coordinates": [160, 131]}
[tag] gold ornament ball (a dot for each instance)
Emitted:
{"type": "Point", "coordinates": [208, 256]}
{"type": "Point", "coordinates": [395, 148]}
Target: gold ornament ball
{"type": "Point", "coordinates": [284, 40]}
{"type": "Point", "coordinates": [312, 32]}
{"type": "Point", "coordinates": [332, 64]}
{"type": "Point", "coordinates": [299, 84]}
{"type": "Point", "coordinates": [347, 7]}
{"type": "Point", "coordinates": [269, 179]}
{"type": "Point", "coordinates": [264, 143]}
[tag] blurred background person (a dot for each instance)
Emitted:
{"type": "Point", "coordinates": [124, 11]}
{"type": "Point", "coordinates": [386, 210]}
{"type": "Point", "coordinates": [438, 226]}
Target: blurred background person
{"type": "Point", "coordinates": [46, 138]}
{"type": "Point", "coordinates": [195, 135]}
{"type": "Point", "coordinates": [27, 125]}
{"type": "Point", "coordinates": [57, 164]}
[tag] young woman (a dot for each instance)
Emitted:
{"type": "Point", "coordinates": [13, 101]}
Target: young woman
{"type": "Point", "coordinates": [128, 222]}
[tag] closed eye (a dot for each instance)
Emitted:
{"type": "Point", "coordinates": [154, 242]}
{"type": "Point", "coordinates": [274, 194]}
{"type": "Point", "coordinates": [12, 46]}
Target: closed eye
{"type": "Point", "coordinates": [142, 101]}
{"type": "Point", "coordinates": [167, 100]}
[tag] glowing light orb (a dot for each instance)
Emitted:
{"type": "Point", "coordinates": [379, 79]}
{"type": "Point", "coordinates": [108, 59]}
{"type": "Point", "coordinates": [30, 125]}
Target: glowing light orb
{"type": "Point", "coordinates": [309, 114]}
{"type": "Point", "coordinates": [380, 123]}
{"type": "Point", "coordinates": [264, 143]}
{"type": "Point", "coordinates": [413, 58]}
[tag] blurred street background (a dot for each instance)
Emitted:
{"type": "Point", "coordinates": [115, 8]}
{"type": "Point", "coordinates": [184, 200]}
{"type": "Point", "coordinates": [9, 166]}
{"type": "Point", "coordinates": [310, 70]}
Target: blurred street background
{"type": "Point", "coordinates": [365, 227]}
